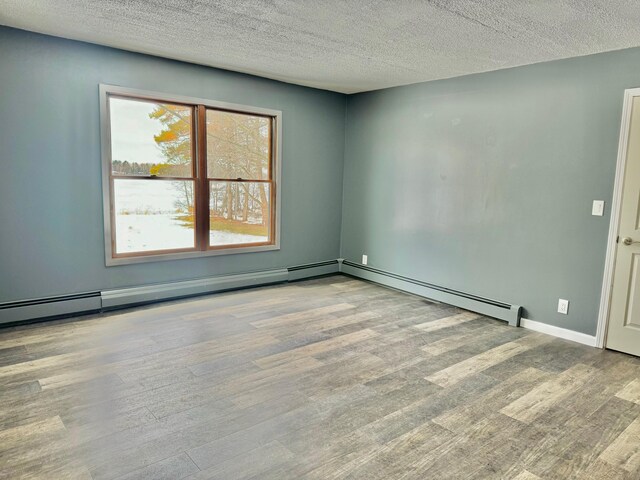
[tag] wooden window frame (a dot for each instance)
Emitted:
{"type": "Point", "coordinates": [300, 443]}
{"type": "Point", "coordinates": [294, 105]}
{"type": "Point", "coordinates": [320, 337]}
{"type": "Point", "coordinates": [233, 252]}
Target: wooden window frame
{"type": "Point", "coordinates": [200, 178]}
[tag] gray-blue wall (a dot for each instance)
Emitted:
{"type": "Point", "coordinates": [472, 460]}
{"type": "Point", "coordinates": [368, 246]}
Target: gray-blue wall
{"type": "Point", "coordinates": [481, 183]}
{"type": "Point", "coordinates": [51, 230]}
{"type": "Point", "coordinates": [484, 183]}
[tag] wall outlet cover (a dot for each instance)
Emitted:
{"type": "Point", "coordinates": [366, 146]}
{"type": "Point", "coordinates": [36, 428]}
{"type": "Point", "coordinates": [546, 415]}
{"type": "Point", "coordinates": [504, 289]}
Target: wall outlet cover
{"type": "Point", "coordinates": [365, 259]}
{"type": "Point", "coordinates": [563, 306]}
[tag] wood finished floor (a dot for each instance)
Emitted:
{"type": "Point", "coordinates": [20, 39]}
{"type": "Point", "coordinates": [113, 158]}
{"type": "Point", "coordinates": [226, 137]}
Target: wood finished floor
{"type": "Point", "coordinates": [322, 379]}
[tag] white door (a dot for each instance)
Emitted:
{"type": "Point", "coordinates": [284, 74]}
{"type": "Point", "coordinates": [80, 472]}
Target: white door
{"type": "Point", "coordinates": [623, 332]}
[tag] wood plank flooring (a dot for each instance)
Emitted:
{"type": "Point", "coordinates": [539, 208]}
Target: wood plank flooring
{"type": "Point", "coordinates": [332, 378]}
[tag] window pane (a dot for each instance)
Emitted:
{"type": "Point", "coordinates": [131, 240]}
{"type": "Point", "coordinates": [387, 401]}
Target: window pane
{"type": "Point", "coordinates": [149, 138]}
{"type": "Point", "coordinates": [237, 145]}
{"type": "Point", "coordinates": [153, 215]}
{"type": "Point", "coordinates": [239, 213]}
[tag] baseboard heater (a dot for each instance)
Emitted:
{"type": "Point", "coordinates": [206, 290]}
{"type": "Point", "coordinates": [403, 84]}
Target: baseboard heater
{"type": "Point", "coordinates": [485, 306]}
{"type": "Point", "coordinates": [309, 270]}
{"type": "Point", "coordinates": [75, 304]}
{"type": "Point", "coordinates": [49, 307]}
{"type": "Point", "coordinates": [130, 296]}
{"type": "Point", "coordinates": [121, 297]}
{"type": "Point", "coordinates": [69, 305]}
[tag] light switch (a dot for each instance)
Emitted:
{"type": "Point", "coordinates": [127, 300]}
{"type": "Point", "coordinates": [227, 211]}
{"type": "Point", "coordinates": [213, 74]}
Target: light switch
{"type": "Point", "coordinates": [598, 208]}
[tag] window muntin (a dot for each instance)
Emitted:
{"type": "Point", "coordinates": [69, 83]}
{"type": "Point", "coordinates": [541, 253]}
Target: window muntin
{"type": "Point", "coordinates": [187, 179]}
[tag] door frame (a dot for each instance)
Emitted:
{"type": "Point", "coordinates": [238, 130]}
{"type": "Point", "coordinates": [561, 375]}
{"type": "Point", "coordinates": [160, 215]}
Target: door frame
{"type": "Point", "coordinates": [614, 222]}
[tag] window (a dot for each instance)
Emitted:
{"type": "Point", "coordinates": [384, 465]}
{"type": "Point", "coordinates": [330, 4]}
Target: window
{"type": "Point", "coordinates": [185, 177]}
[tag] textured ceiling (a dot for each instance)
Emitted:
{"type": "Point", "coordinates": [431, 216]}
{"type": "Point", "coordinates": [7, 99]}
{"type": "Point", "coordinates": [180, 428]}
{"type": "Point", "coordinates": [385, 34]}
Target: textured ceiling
{"type": "Point", "coordinates": [342, 45]}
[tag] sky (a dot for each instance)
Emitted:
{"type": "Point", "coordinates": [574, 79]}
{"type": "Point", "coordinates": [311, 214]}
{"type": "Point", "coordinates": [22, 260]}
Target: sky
{"type": "Point", "coordinates": [132, 131]}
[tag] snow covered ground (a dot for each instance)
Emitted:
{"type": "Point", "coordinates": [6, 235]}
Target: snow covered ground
{"type": "Point", "coordinates": [142, 233]}
{"type": "Point", "coordinates": [228, 238]}
{"type": "Point", "coordinates": [146, 219]}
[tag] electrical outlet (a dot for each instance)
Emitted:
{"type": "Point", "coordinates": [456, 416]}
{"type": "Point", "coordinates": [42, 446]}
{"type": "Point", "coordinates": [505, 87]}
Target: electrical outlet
{"type": "Point", "coordinates": [563, 306]}
{"type": "Point", "coordinates": [364, 259]}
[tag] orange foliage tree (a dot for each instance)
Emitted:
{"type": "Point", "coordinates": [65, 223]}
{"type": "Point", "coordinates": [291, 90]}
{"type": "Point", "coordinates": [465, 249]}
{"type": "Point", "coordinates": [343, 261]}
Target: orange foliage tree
{"type": "Point", "coordinates": [237, 148]}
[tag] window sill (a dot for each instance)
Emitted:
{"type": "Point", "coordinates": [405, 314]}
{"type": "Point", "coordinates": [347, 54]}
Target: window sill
{"type": "Point", "coordinates": [115, 261]}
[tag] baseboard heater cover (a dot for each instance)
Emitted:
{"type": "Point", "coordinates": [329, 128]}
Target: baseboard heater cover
{"type": "Point", "coordinates": [485, 306]}
{"type": "Point", "coordinates": [152, 293]}
{"type": "Point", "coordinates": [55, 306]}
{"type": "Point", "coordinates": [310, 270]}
{"type": "Point", "coordinates": [76, 304]}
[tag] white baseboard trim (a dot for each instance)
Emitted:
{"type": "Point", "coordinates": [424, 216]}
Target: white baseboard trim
{"type": "Point", "coordinates": [163, 291]}
{"type": "Point", "coordinates": [559, 332]}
